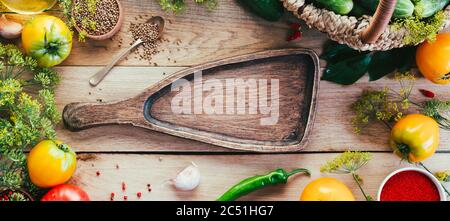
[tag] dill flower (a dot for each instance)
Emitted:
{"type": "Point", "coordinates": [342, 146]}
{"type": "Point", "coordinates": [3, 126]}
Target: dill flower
{"type": "Point", "coordinates": [438, 110]}
{"type": "Point", "coordinates": [419, 29]}
{"type": "Point", "coordinates": [178, 6]}
{"type": "Point", "coordinates": [443, 176]}
{"type": "Point", "coordinates": [349, 162]}
{"type": "Point", "coordinates": [384, 105]}
{"type": "Point", "coordinates": [28, 113]}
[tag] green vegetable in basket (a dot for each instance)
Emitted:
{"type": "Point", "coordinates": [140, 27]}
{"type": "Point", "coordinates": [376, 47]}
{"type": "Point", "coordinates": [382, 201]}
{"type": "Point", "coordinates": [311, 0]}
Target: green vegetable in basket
{"type": "Point", "coordinates": [341, 7]}
{"type": "Point", "coordinates": [359, 11]}
{"type": "Point", "coordinates": [403, 9]}
{"type": "Point", "coordinates": [427, 8]}
{"type": "Point", "coordinates": [271, 10]}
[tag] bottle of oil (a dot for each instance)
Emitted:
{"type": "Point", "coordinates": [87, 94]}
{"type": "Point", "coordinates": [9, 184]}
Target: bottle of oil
{"type": "Point", "coordinates": [28, 6]}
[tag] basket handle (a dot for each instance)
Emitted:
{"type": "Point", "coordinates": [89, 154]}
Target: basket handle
{"type": "Point", "coordinates": [380, 21]}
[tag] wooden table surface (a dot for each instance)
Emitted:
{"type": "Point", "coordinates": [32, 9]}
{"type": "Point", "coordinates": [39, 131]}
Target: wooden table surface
{"type": "Point", "coordinates": [194, 37]}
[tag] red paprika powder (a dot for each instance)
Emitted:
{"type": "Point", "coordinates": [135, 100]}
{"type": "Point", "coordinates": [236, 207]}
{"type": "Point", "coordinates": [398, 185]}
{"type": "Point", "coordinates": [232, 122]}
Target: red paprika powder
{"type": "Point", "coordinates": [409, 186]}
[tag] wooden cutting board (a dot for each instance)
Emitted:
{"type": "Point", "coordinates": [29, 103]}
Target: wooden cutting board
{"type": "Point", "coordinates": [262, 102]}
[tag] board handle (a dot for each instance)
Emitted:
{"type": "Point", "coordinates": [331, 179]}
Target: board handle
{"type": "Point", "coordinates": [79, 116]}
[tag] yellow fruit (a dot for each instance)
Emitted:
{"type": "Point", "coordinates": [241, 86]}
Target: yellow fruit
{"type": "Point", "coordinates": [326, 189]}
{"type": "Point", "coordinates": [433, 59]}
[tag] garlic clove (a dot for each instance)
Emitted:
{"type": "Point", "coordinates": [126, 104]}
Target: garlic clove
{"type": "Point", "coordinates": [9, 29]}
{"type": "Point", "coordinates": [188, 179]}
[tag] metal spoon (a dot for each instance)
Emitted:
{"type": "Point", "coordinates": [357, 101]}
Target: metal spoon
{"type": "Point", "coordinates": [98, 77]}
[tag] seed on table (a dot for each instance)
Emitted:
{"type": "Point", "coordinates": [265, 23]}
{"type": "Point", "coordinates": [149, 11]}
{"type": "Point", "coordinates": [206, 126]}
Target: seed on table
{"type": "Point", "coordinates": [148, 33]}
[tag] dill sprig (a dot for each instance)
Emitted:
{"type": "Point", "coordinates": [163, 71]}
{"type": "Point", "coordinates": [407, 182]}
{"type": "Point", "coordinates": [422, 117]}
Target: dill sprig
{"type": "Point", "coordinates": [349, 162]}
{"type": "Point", "coordinates": [443, 176]}
{"type": "Point", "coordinates": [28, 113]}
{"type": "Point", "coordinates": [178, 6]}
{"type": "Point", "coordinates": [420, 29]}
{"type": "Point", "coordinates": [384, 105]}
{"type": "Point", "coordinates": [438, 110]}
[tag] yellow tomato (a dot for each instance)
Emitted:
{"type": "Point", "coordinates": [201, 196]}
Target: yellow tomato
{"type": "Point", "coordinates": [51, 163]}
{"type": "Point", "coordinates": [415, 137]}
{"type": "Point", "coordinates": [433, 59]}
{"type": "Point", "coordinates": [327, 189]}
{"type": "Point", "coordinates": [47, 39]}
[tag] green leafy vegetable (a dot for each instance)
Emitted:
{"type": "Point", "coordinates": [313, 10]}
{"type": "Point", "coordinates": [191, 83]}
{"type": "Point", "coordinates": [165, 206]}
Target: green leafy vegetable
{"type": "Point", "coordinates": [349, 162]}
{"type": "Point", "coordinates": [27, 112]}
{"type": "Point", "coordinates": [347, 71]}
{"type": "Point", "coordinates": [346, 65]}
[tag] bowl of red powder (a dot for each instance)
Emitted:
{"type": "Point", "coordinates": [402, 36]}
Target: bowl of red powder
{"type": "Point", "coordinates": [411, 184]}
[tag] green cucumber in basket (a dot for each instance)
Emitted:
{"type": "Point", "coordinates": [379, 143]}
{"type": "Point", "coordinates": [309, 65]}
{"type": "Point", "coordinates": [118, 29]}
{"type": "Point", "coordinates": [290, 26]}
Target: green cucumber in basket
{"type": "Point", "coordinates": [403, 9]}
{"type": "Point", "coordinates": [427, 8]}
{"type": "Point", "coordinates": [271, 10]}
{"type": "Point", "coordinates": [341, 7]}
{"type": "Point", "coordinates": [359, 11]}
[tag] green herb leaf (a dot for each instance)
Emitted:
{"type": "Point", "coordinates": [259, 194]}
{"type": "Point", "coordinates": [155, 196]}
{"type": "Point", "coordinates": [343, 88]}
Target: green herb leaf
{"type": "Point", "coordinates": [383, 63]}
{"type": "Point", "coordinates": [347, 71]}
{"type": "Point", "coordinates": [335, 52]}
{"type": "Point", "coordinates": [409, 59]}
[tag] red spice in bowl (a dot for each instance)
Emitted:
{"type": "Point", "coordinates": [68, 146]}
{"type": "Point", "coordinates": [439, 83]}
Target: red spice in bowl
{"type": "Point", "coordinates": [409, 185]}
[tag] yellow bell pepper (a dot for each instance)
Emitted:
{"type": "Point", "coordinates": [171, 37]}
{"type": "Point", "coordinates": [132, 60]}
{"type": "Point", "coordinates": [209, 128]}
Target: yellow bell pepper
{"type": "Point", "coordinates": [415, 137]}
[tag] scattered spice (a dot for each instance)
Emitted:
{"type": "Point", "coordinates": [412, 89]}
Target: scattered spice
{"type": "Point", "coordinates": [149, 187]}
{"type": "Point", "coordinates": [149, 34]}
{"type": "Point", "coordinates": [409, 186]}
{"type": "Point", "coordinates": [124, 186]}
{"type": "Point", "coordinates": [96, 17]}
{"type": "Point", "coordinates": [296, 35]}
{"type": "Point", "coordinates": [97, 173]}
{"type": "Point", "coordinates": [139, 194]}
{"type": "Point", "coordinates": [117, 166]}
{"type": "Point", "coordinates": [427, 93]}
{"type": "Point", "coordinates": [125, 197]}
{"type": "Point", "coordinates": [296, 32]}
{"type": "Point", "coordinates": [112, 196]}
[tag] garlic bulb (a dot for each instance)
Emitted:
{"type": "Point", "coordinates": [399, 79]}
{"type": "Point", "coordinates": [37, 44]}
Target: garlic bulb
{"type": "Point", "coordinates": [188, 179]}
{"type": "Point", "coordinates": [9, 29]}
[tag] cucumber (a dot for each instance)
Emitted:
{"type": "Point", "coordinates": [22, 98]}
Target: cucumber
{"type": "Point", "coordinates": [427, 8]}
{"type": "Point", "coordinates": [359, 11]}
{"type": "Point", "coordinates": [341, 7]}
{"type": "Point", "coordinates": [403, 9]}
{"type": "Point", "coordinates": [271, 10]}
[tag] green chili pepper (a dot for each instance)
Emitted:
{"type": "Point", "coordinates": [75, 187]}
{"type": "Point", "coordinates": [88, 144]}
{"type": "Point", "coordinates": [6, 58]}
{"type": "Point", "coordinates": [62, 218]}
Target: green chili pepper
{"type": "Point", "coordinates": [251, 184]}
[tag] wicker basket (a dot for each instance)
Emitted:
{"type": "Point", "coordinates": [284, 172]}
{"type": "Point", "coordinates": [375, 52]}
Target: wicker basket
{"type": "Point", "coordinates": [365, 33]}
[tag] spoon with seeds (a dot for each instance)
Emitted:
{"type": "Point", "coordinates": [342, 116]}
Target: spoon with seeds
{"type": "Point", "coordinates": [156, 20]}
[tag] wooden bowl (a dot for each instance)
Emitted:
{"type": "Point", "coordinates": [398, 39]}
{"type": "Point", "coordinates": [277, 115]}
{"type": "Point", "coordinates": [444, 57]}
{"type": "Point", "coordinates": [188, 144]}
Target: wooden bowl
{"type": "Point", "coordinates": [111, 33]}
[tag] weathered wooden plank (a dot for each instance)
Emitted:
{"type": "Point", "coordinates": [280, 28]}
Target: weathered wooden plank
{"type": "Point", "coordinates": [219, 172]}
{"type": "Point", "coordinates": [195, 36]}
{"type": "Point", "coordinates": [332, 131]}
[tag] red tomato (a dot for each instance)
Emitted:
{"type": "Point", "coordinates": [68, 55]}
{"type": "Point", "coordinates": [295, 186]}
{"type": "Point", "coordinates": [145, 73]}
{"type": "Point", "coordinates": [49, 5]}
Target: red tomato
{"type": "Point", "coordinates": [66, 192]}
